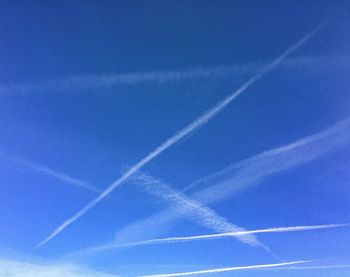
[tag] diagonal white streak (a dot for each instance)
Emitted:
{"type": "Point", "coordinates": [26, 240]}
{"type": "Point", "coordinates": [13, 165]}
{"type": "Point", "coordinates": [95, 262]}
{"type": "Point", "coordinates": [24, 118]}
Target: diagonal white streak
{"type": "Point", "coordinates": [231, 180]}
{"type": "Point", "coordinates": [114, 245]}
{"type": "Point", "coordinates": [239, 176]}
{"type": "Point", "coordinates": [53, 173]}
{"type": "Point", "coordinates": [197, 123]}
{"type": "Point", "coordinates": [226, 269]}
{"type": "Point", "coordinates": [197, 212]}
{"type": "Point", "coordinates": [191, 208]}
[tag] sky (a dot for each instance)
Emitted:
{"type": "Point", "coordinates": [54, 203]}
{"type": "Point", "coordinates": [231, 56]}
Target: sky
{"type": "Point", "coordinates": [174, 138]}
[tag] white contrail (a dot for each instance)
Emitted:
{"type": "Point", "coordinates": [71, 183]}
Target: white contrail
{"type": "Point", "coordinates": [109, 81]}
{"type": "Point", "coordinates": [313, 267]}
{"type": "Point", "coordinates": [53, 173]}
{"type": "Point", "coordinates": [192, 209]}
{"type": "Point", "coordinates": [197, 212]}
{"type": "Point", "coordinates": [114, 245]}
{"type": "Point", "coordinates": [241, 175]}
{"type": "Point", "coordinates": [226, 269]}
{"type": "Point", "coordinates": [200, 121]}
{"type": "Point", "coordinates": [252, 170]}
{"type": "Point", "coordinates": [204, 215]}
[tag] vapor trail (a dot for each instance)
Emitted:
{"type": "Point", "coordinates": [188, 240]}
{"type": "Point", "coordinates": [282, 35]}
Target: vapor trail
{"type": "Point", "coordinates": [191, 208]}
{"type": "Point", "coordinates": [314, 267]}
{"type": "Point", "coordinates": [114, 245]}
{"type": "Point", "coordinates": [53, 173]}
{"type": "Point", "coordinates": [108, 81]}
{"type": "Point", "coordinates": [242, 175]}
{"type": "Point", "coordinates": [226, 269]}
{"type": "Point", "coordinates": [200, 121]}
{"type": "Point", "coordinates": [197, 212]}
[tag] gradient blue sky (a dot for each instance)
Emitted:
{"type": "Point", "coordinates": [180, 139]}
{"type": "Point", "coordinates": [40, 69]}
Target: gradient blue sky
{"type": "Point", "coordinates": [92, 131]}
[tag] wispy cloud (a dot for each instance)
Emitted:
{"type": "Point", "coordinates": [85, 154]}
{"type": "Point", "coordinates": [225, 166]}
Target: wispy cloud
{"type": "Point", "coordinates": [226, 269]}
{"type": "Point", "coordinates": [242, 175]}
{"type": "Point", "coordinates": [114, 245]}
{"type": "Point", "coordinates": [197, 123]}
{"type": "Point", "coordinates": [112, 81]}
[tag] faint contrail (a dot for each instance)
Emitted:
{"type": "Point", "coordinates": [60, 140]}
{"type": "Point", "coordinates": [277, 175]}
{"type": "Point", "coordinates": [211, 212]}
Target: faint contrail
{"type": "Point", "coordinates": [242, 175]}
{"type": "Point", "coordinates": [114, 245]}
{"type": "Point", "coordinates": [314, 267]}
{"type": "Point", "coordinates": [199, 213]}
{"type": "Point", "coordinates": [108, 81]}
{"type": "Point", "coordinates": [200, 121]}
{"type": "Point", "coordinates": [191, 208]}
{"type": "Point", "coordinates": [53, 173]}
{"type": "Point", "coordinates": [225, 269]}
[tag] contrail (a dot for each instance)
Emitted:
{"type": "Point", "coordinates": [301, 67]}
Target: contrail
{"type": "Point", "coordinates": [313, 267]}
{"type": "Point", "coordinates": [197, 212]}
{"type": "Point", "coordinates": [53, 173]}
{"type": "Point", "coordinates": [109, 81]}
{"type": "Point", "coordinates": [225, 269]}
{"type": "Point", "coordinates": [197, 123]}
{"type": "Point", "coordinates": [114, 245]}
{"type": "Point", "coordinates": [203, 215]}
{"type": "Point", "coordinates": [192, 209]}
{"type": "Point", "coordinates": [242, 175]}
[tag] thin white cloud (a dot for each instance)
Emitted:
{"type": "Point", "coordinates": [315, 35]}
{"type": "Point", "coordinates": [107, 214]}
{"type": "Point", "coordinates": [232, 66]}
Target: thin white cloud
{"type": "Point", "coordinates": [226, 269]}
{"type": "Point", "coordinates": [112, 81]}
{"type": "Point", "coordinates": [242, 175]}
{"type": "Point", "coordinates": [114, 245]}
{"type": "Point", "coordinates": [197, 123]}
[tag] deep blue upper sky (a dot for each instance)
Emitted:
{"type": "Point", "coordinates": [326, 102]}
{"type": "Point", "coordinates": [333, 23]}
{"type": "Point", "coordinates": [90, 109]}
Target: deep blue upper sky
{"type": "Point", "coordinates": [93, 132]}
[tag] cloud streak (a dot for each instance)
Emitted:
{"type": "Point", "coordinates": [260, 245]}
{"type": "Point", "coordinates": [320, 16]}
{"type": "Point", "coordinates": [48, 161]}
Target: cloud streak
{"type": "Point", "coordinates": [314, 267]}
{"type": "Point", "coordinates": [197, 212]}
{"type": "Point", "coordinates": [39, 168]}
{"type": "Point", "coordinates": [197, 123]}
{"type": "Point", "coordinates": [242, 175]}
{"type": "Point", "coordinates": [110, 81]}
{"type": "Point", "coordinates": [192, 209]}
{"type": "Point", "coordinates": [226, 269]}
{"type": "Point", "coordinates": [113, 245]}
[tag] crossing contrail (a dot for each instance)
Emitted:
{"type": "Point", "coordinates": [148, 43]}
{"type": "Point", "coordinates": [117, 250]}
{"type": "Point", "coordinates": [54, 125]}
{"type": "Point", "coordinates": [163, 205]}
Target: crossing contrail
{"type": "Point", "coordinates": [197, 212]}
{"type": "Point", "coordinates": [203, 215]}
{"type": "Point", "coordinates": [197, 123]}
{"type": "Point", "coordinates": [242, 175]}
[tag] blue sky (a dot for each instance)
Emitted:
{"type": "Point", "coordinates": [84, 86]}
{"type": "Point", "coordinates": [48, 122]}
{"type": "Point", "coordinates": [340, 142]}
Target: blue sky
{"type": "Point", "coordinates": [89, 89]}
